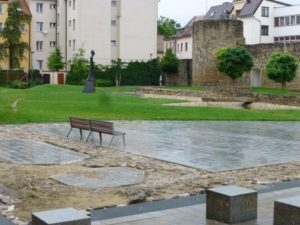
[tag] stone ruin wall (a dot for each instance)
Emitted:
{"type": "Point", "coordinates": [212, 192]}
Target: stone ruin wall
{"type": "Point", "coordinates": [209, 36]}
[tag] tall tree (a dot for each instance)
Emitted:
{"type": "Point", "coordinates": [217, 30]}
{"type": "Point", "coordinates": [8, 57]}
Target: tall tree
{"type": "Point", "coordinates": [167, 27]}
{"type": "Point", "coordinates": [117, 67]}
{"type": "Point", "coordinates": [12, 46]}
{"type": "Point", "coordinates": [55, 60]}
{"type": "Point", "coordinates": [282, 68]}
{"type": "Point", "coordinates": [79, 68]}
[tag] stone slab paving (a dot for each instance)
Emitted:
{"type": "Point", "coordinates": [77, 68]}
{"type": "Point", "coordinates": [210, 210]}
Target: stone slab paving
{"type": "Point", "coordinates": [25, 151]}
{"type": "Point", "coordinates": [195, 215]}
{"type": "Point", "coordinates": [209, 145]}
{"type": "Point", "coordinates": [101, 177]}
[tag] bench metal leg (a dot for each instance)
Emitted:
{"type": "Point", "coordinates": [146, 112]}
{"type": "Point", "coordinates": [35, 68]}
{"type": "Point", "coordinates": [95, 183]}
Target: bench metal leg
{"type": "Point", "coordinates": [124, 140]}
{"type": "Point", "coordinates": [111, 141]}
{"type": "Point", "coordinates": [100, 136]}
{"type": "Point", "coordinates": [80, 131]}
{"type": "Point", "coordinates": [69, 132]}
{"type": "Point", "coordinates": [87, 138]}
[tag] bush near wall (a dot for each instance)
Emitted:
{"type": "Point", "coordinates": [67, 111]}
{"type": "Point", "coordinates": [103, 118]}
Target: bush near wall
{"type": "Point", "coordinates": [136, 73]}
{"type": "Point", "coordinates": [11, 75]}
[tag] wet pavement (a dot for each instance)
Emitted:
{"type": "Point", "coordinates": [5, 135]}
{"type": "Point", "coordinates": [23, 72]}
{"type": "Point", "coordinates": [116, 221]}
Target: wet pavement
{"type": "Point", "coordinates": [214, 146]}
{"type": "Point", "coordinates": [25, 151]}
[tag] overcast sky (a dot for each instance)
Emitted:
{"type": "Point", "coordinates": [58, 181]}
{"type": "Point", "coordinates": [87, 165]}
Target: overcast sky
{"type": "Point", "coordinates": [183, 10]}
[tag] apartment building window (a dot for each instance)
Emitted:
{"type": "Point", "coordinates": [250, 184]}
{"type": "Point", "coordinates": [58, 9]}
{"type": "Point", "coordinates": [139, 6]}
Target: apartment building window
{"type": "Point", "coordinates": [287, 21]}
{"type": "Point", "coordinates": [114, 3]}
{"type": "Point", "coordinates": [70, 43]}
{"type": "Point", "coordinates": [74, 44]}
{"type": "Point", "coordinates": [39, 46]}
{"type": "Point", "coordinates": [39, 26]}
{"type": "Point", "coordinates": [39, 7]}
{"type": "Point", "coordinates": [186, 46]}
{"type": "Point", "coordinates": [52, 6]}
{"type": "Point", "coordinates": [287, 39]}
{"type": "Point", "coordinates": [1, 8]}
{"type": "Point", "coordinates": [265, 11]}
{"type": "Point", "coordinates": [52, 43]}
{"type": "Point", "coordinates": [1, 27]}
{"type": "Point", "coordinates": [70, 3]}
{"type": "Point", "coordinates": [181, 47]}
{"type": "Point", "coordinates": [265, 30]}
{"type": "Point", "coordinates": [40, 64]}
{"type": "Point", "coordinates": [178, 47]}
{"type": "Point", "coordinates": [113, 43]}
{"type": "Point", "coordinates": [73, 4]}
{"type": "Point", "coordinates": [74, 24]}
{"type": "Point", "coordinates": [70, 23]}
{"type": "Point", "coordinates": [52, 25]}
{"type": "Point", "coordinates": [113, 23]}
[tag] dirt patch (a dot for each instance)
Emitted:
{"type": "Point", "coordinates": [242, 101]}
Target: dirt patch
{"type": "Point", "coordinates": [30, 188]}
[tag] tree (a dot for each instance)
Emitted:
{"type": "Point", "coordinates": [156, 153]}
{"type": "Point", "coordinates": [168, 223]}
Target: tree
{"type": "Point", "coordinates": [234, 62]}
{"type": "Point", "coordinates": [167, 27]}
{"type": "Point", "coordinates": [169, 62]}
{"type": "Point", "coordinates": [12, 46]}
{"type": "Point", "coordinates": [55, 60]}
{"type": "Point", "coordinates": [117, 67]}
{"type": "Point", "coordinates": [79, 68]}
{"type": "Point", "coordinates": [282, 68]}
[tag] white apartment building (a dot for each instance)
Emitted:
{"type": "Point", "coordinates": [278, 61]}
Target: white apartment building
{"type": "Point", "coordinates": [43, 31]}
{"type": "Point", "coordinates": [269, 21]}
{"type": "Point", "coordinates": [125, 29]}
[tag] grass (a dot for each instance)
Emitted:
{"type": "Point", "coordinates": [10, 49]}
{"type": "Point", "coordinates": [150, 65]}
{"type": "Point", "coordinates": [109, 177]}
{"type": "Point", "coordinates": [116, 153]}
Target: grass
{"type": "Point", "coordinates": [274, 91]}
{"type": "Point", "coordinates": [50, 103]}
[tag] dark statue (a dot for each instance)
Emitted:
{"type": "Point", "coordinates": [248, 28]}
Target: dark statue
{"type": "Point", "coordinates": [90, 82]}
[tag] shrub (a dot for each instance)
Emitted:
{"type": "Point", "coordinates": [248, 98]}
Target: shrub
{"type": "Point", "coordinates": [17, 84]}
{"type": "Point", "coordinates": [169, 62]}
{"type": "Point", "coordinates": [79, 69]}
{"type": "Point", "coordinates": [103, 83]}
{"type": "Point", "coordinates": [282, 68]}
{"type": "Point", "coordinates": [234, 62]}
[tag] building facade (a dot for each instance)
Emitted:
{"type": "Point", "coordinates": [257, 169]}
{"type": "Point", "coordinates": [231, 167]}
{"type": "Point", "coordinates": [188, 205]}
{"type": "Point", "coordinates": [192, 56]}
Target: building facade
{"type": "Point", "coordinates": [43, 34]}
{"type": "Point", "coordinates": [26, 33]}
{"type": "Point", "coordinates": [114, 29]}
{"type": "Point", "coordinates": [182, 43]}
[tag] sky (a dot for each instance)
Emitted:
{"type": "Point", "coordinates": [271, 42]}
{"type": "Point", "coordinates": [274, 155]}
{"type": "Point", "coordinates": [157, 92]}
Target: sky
{"type": "Point", "coordinates": [183, 10]}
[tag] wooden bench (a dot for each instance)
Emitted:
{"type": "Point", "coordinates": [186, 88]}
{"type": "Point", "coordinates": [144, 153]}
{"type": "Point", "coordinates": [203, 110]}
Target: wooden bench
{"type": "Point", "coordinates": [81, 124]}
{"type": "Point", "coordinates": [100, 127]}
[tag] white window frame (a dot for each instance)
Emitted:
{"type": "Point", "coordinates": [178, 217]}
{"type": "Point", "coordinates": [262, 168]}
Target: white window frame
{"type": "Point", "coordinates": [39, 26]}
{"type": "Point", "coordinates": [39, 46]}
{"type": "Point", "coordinates": [39, 7]}
{"type": "Point", "coordinates": [114, 3]}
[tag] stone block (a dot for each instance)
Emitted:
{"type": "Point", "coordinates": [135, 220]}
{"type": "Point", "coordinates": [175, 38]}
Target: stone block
{"type": "Point", "coordinates": [231, 204]}
{"type": "Point", "coordinates": [66, 216]}
{"type": "Point", "coordinates": [287, 211]}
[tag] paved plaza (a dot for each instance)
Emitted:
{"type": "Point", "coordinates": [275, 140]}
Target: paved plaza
{"type": "Point", "coordinates": [25, 151]}
{"type": "Point", "coordinates": [213, 146]}
{"type": "Point", "coordinates": [195, 214]}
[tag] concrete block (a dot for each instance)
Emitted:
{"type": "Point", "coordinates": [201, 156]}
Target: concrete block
{"type": "Point", "coordinates": [66, 216]}
{"type": "Point", "coordinates": [231, 204]}
{"type": "Point", "coordinates": [287, 211]}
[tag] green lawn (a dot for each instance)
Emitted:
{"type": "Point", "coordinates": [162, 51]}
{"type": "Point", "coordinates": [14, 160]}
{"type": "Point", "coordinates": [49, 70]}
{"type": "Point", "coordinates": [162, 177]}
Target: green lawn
{"type": "Point", "coordinates": [56, 103]}
{"type": "Point", "coordinates": [274, 91]}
